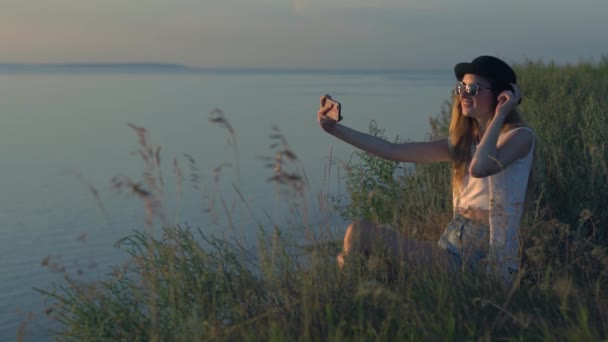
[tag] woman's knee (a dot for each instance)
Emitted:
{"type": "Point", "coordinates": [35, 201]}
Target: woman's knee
{"type": "Point", "coordinates": [359, 228]}
{"type": "Point", "coordinates": [358, 234]}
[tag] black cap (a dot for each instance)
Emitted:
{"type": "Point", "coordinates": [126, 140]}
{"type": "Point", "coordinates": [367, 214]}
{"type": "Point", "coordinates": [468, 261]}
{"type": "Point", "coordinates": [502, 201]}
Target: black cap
{"type": "Point", "coordinates": [495, 70]}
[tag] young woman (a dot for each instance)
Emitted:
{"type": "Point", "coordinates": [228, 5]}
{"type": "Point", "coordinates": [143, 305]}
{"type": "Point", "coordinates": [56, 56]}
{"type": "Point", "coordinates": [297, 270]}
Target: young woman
{"type": "Point", "coordinates": [491, 152]}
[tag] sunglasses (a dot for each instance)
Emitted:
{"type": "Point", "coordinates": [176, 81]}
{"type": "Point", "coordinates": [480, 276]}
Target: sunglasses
{"type": "Point", "coordinates": [471, 89]}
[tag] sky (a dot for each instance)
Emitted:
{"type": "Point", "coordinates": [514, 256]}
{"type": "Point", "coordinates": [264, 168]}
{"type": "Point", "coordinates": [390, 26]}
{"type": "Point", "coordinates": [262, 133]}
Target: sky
{"type": "Point", "coordinates": [349, 34]}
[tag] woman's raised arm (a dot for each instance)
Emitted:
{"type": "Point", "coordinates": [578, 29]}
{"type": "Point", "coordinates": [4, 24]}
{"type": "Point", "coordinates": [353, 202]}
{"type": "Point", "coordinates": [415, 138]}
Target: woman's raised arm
{"type": "Point", "coordinates": [411, 152]}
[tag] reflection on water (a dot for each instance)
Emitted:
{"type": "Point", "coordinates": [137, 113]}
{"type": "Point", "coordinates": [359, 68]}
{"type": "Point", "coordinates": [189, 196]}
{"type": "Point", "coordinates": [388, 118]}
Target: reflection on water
{"type": "Point", "coordinates": [56, 125]}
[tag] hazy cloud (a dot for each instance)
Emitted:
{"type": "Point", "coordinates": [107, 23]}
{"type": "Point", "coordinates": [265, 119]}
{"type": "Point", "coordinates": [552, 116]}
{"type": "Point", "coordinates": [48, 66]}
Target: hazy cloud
{"type": "Point", "coordinates": [301, 33]}
{"type": "Point", "coordinates": [308, 6]}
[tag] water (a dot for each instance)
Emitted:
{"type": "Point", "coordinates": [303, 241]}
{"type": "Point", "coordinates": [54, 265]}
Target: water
{"type": "Point", "coordinates": [54, 125]}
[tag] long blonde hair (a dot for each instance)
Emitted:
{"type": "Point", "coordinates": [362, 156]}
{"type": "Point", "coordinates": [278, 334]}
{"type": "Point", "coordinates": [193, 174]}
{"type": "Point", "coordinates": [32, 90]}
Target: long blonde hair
{"type": "Point", "coordinates": [464, 132]}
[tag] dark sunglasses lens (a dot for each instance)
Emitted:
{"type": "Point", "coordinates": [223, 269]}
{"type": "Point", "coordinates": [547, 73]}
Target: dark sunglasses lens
{"type": "Point", "coordinates": [472, 89]}
{"type": "Point", "coordinates": [469, 89]}
{"type": "Point", "coordinates": [459, 88]}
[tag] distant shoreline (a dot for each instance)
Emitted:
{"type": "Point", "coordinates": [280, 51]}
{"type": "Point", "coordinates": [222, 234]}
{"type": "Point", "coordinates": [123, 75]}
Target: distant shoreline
{"type": "Point", "coordinates": [168, 68]}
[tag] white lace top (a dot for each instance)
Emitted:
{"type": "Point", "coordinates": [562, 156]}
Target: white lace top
{"type": "Point", "coordinates": [503, 194]}
{"type": "Point", "coordinates": [474, 193]}
{"type": "Point", "coordinates": [507, 196]}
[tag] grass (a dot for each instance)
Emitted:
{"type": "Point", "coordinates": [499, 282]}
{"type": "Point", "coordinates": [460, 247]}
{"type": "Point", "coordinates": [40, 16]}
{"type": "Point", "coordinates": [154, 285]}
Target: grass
{"type": "Point", "coordinates": [185, 285]}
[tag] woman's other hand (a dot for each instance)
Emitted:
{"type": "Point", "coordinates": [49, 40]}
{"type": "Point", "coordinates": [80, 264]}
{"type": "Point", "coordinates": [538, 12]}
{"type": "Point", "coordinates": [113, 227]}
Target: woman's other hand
{"type": "Point", "coordinates": [326, 123]}
{"type": "Point", "coordinates": [508, 100]}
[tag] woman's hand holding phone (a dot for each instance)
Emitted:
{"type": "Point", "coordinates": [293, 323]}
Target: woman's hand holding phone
{"type": "Point", "coordinates": [329, 113]}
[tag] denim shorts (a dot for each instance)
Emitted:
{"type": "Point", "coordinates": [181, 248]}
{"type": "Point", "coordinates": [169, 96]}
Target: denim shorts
{"type": "Point", "coordinates": [467, 241]}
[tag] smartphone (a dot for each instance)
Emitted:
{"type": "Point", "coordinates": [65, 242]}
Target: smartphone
{"type": "Point", "coordinates": [335, 113]}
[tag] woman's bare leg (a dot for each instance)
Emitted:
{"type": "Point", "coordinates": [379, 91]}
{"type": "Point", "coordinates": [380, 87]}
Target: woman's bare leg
{"type": "Point", "coordinates": [366, 237]}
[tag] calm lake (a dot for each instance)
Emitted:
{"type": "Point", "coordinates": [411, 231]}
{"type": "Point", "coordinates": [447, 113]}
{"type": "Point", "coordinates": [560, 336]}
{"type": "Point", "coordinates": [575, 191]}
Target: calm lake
{"type": "Point", "coordinates": [55, 127]}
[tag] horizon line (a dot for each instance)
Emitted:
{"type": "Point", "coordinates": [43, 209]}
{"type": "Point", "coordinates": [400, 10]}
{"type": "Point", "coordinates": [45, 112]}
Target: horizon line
{"type": "Point", "coordinates": [183, 68]}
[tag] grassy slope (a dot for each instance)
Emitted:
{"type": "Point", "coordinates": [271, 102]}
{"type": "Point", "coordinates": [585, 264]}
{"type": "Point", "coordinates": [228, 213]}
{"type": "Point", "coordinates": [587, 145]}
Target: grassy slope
{"type": "Point", "coordinates": [187, 286]}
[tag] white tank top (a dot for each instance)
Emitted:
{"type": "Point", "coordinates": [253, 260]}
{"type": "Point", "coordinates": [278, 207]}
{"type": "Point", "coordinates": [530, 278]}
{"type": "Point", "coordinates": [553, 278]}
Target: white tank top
{"type": "Point", "coordinates": [474, 193]}
{"type": "Point", "coordinates": [507, 196]}
{"type": "Point", "coordinates": [503, 194]}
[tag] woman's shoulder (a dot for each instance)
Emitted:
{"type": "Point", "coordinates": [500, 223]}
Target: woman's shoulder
{"type": "Point", "coordinates": [518, 132]}
{"type": "Point", "coordinates": [511, 129]}
{"type": "Point", "coordinates": [520, 140]}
